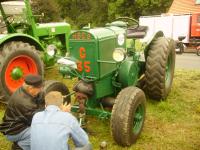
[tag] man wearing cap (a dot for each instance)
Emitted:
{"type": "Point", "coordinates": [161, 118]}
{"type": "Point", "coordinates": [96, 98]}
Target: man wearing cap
{"type": "Point", "coordinates": [22, 105]}
{"type": "Point", "coordinates": [51, 128]}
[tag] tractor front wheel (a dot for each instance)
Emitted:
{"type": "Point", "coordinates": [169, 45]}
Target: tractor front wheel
{"type": "Point", "coordinates": [17, 59]}
{"type": "Point", "coordinates": [128, 115]}
{"type": "Point", "coordinates": [51, 85]}
{"type": "Point", "coordinates": [160, 66]}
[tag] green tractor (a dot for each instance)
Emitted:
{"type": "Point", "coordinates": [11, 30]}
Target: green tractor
{"type": "Point", "coordinates": [24, 43]}
{"type": "Point", "coordinates": [112, 74]}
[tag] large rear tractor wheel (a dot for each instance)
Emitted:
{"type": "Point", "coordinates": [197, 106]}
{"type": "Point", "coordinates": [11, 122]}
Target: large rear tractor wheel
{"type": "Point", "coordinates": [51, 85]}
{"type": "Point", "coordinates": [160, 68]}
{"type": "Point", "coordinates": [17, 59]}
{"type": "Point", "coordinates": [128, 116]}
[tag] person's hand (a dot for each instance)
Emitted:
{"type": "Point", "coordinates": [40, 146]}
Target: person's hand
{"type": "Point", "coordinates": [66, 108]}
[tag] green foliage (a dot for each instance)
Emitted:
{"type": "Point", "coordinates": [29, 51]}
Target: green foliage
{"type": "Point", "coordinates": [81, 12]}
{"type": "Point", "coordinates": [98, 12]}
{"type": "Point", "coordinates": [49, 8]}
{"type": "Point", "coordinates": [138, 8]}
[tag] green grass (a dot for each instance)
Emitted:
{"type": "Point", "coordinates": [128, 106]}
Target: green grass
{"type": "Point", "coordinates": [173, 124]}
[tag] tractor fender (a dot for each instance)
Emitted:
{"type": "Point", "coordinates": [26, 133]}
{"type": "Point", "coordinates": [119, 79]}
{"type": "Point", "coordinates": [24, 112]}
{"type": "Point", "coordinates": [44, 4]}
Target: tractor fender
{"type": "Point", "coordinates": [5, 38]}
{"type": "Point", "coordinates": [156, 35]}
{"type": "Point", "coordinates": [128, 73]}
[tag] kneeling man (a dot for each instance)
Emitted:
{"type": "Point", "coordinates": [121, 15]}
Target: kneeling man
{"type": "Point", "coordinates": [51, 128]}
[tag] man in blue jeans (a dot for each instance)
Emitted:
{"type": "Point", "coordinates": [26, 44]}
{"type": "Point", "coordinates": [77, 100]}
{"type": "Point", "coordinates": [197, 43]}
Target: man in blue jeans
{"type": "Point", "coordinates": [51, 128]}
{"type": "Point", "coordinates": [22, 105]}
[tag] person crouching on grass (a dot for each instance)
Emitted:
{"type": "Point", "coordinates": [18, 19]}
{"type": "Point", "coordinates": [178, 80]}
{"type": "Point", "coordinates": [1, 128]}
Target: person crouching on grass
{"type": "Point", "coordinates": [22, 105]}
{"type": "Point", "coordinates": [51, 128]}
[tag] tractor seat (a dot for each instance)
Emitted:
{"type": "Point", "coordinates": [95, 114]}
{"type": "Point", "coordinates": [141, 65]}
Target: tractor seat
{"type": "Point", "coordinates": [181, 38]}
{"type": "Point", "coordinates": [137, 33]}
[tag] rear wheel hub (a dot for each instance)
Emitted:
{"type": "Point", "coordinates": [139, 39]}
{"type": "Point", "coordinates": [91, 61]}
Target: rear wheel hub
{"type": "Point", "coordinates": [16, 73]}
{"type": "Point", "coordinates": [138, 119]}
{"type": "Point", "coordinates": [17, 68]}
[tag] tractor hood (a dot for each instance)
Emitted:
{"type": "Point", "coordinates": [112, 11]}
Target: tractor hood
{"type": "Point", "coordinates": [92, 49]}
{"type": "Point", "coordinates": [101, 33]}
{"type": "Point", "coordinates": [52, 28]}
{"type": "Point", "coordinates": [2, 36]}
{"type": "Point", "coordinates": [56, 24]}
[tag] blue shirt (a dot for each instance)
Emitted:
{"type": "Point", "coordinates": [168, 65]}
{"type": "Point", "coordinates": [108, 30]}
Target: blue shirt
{"type": "Point", "coordinates": [51, 129]}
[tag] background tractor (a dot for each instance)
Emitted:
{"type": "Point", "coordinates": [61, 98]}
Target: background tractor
{"type": "Point", "coordinates": [22, 43]}
{"type": "Point", "coordinates": [113, 73]}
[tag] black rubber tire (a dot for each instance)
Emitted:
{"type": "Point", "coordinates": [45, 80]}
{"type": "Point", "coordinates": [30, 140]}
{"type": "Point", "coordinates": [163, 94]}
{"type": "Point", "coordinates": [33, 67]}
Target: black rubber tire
{"type": "Point", "coordinates": [51, 85]}
{"type": "Point", "coordinates": [160, 51]}
{"type": "Point", "coordinates": [9, 51]}
{"type": "Point", "coordinates": [123, 112]}
{"type": "Point", "coordinates": [198, 52]}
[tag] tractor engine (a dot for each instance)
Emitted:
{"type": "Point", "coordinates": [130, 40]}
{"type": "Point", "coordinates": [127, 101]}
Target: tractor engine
{"type": "Point", "coordinates": [93, 50]}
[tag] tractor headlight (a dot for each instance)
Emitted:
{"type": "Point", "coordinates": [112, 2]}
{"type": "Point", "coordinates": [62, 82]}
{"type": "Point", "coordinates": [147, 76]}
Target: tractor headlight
{"type": "Point", "coordinates": [51, 50]}
{"type": "Point", "coordinates": [119, 54]}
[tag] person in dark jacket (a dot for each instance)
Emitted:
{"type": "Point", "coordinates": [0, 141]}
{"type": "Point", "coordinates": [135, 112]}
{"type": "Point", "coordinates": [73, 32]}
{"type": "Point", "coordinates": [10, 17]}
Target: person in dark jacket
{"type": "Point", "coordinates": [22, 105]}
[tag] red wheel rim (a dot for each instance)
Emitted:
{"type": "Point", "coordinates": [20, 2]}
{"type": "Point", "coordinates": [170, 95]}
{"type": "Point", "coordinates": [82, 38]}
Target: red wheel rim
{"type": "Point", "coordinates": [26, 64]}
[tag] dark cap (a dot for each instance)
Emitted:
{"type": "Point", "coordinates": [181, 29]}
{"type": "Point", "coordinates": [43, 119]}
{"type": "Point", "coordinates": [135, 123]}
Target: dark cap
{"type": "Point", "coordinates": [34, 80]}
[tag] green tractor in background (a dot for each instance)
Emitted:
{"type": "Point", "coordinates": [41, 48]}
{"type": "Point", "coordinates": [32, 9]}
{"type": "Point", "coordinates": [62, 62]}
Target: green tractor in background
{"type": "Point", "coordinates": [113, 73]}
{"type": "Point", "coordinates": [24, 43]}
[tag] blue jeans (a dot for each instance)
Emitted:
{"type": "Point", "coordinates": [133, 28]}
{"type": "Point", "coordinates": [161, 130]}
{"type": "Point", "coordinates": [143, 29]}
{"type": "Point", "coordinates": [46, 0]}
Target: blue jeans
{"type": "Point", "coordinates": [23, 139]}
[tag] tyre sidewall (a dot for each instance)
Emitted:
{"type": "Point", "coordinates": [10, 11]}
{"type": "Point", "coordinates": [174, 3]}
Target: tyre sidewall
{"type": "Point", "coordinates": [123, 114]}
{"type": "Point", "coordinates": [157, 87]}
{"type": "Point", "coordinates": [12, 54]}
{"type": "Point", "coordinates": [51, 85]}
{"type": "Point", "coordinates": [140, 99]}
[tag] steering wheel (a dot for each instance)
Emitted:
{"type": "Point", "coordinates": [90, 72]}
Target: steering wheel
{"type": "Point", "coordinates": [131, 23]}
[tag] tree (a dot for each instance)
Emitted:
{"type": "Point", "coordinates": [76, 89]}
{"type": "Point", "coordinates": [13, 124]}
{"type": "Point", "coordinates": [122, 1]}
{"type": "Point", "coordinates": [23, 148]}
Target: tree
{"type": "Point", "coordinates": [81, 12]}
{"type": "Point", "coordinates": [49, 8]}
{"type": "Point", "coordinates": [98, 12]}
{"type": "Point", "coordinates": [137, 8]}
